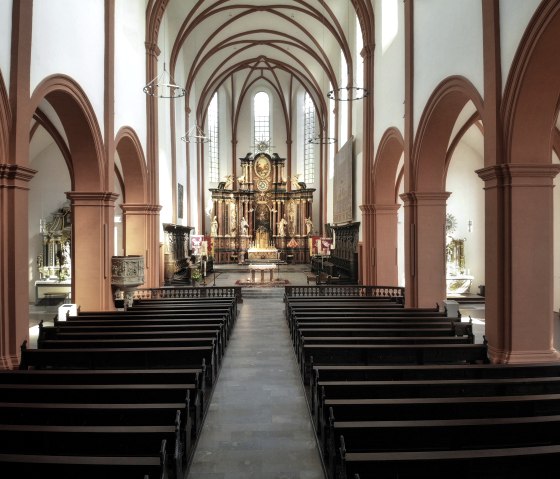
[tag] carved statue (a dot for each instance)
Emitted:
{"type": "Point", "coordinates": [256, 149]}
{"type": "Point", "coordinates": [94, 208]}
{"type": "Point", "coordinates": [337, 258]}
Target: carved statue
{"type": "Point", "coordinates": [244, 226]}
{"type": "Point", "coordinates": [295, 182]}
{"type": "Point", "coordinates": [229, 182]}
{"type": "Point", "coordinates": [214, 227]}
{"type": "Point", "coordinates": [308, 226]}
{"type": "Point", "coordinates": [281, 227]}
{"type": "Point", "coordinates": [232, 219]}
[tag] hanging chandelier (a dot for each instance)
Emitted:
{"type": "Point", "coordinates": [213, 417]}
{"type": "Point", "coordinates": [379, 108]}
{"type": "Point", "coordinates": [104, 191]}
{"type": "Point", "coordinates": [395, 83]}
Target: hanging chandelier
{"type": "Point", "coordinates": [321, 139]}
{"type": "Point", "coordinates": [349, 93]}
{"type": "Point", "coordinates": [163, 86]}
{"type": "Point", "coordinates": [195, 135]}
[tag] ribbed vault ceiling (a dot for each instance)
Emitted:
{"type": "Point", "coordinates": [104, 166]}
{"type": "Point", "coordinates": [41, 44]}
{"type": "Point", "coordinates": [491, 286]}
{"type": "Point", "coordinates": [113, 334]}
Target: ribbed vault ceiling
{"type": "Point", "coordinates": [216, 42]}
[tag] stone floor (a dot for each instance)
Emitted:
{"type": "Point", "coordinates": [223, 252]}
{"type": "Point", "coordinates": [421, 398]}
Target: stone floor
{"type": "Point", "coordinates": [258, 424]}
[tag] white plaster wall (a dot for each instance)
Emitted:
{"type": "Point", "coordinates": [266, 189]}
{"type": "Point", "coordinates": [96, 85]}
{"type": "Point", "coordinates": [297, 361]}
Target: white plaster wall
{"type": "Point", "coordinates": [166, 184]}
{"type": "Point", "coordinates": [130, 67]}
{"type": "Point", "coordinates": [193, 198]}
{"type": "Point", "coordinates": [180, 148]}
{"type": "Point", "coordinates": [68, 38]}
{"type": "Point", "coordinates": [445, 44]}
{"type": "Point", "coordinates": [5, 40]}
{"type": "Point", "coordinates": [514, 17]}
{"type": "Point", "coordinates": [389, 67]}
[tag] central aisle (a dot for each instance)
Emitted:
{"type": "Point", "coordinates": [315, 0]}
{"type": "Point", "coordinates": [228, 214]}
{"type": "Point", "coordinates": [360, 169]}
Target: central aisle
{"type": "Point", "coordinates": [258, 425]}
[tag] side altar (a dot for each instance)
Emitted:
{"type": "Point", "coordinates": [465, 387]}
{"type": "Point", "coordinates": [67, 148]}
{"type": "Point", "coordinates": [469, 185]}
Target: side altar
{"type": "Point", "coordinates": [261, 216]}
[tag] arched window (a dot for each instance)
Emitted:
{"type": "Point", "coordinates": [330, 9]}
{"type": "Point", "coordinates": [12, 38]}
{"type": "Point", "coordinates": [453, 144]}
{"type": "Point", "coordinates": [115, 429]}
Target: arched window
{"type": "Point", "coordinates": [214, 144]}
{"type": "Point", "coordinates": [261, 117]}
{"type": "Point", "coordinates": [308, 133]}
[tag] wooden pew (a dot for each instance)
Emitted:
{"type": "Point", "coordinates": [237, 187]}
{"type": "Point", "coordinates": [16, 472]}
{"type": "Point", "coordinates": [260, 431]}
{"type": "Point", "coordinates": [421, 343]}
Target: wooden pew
{"type": "Point", "coordinates": [77, 393]}
{"type": "Point", "coordinates": [366, 354]}
{"type": "Point", "coordinates": [121, 358]}
{"type": "Point", "coordinates": [209, 306]}
{"type": "Point", "coordinates": [353, 390]}
{"type": "Point", "coordinates": [103, 376]}
{"type": "Point", "coordinates": [463, 407]}
{"type": "Point", "coordinates": [161, 321]}
{"type": "Point", "coordinates": [389, 340]}
{"type": "Point", "coordinates": [333, 320]}
{"type": "Point", "coordinates": [393, 328]}
{"type": "Point", "coordinates": [294, 305]}
{"type": "Point", "coordinates": [144, 343]}
{"type": "Point", "coordinates": [81, 335]}
{"type": "Point", "coordinates": [117, 326]}
{"type": "Point", "coordinates": [441, 436]}
{"type": "Point", "coordinates": [119, 441]}
{"type": "Point", "coordinates": [427, 372]}
{"type": "Point", "coordinates": [153, 466]}
{"type": "Point", "coordinates": [495, 463]}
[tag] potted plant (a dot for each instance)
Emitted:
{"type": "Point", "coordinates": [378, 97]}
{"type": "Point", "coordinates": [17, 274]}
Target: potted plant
{"type": "Point", "coordinates": [196, 276]}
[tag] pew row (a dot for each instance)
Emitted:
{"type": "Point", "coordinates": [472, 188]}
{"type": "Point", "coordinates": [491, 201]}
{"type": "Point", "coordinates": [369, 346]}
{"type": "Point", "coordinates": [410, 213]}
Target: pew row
{"type": "Point", "coordinates": [366, 354]}
{"type": "Point", "coordinates": [123, 358]}
{"type": "Point", "coordinates": [152, 466]}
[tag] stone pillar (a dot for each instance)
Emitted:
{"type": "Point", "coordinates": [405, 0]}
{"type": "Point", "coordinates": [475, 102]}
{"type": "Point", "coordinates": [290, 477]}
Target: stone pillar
{"type": "Point", "coordinates": [424, 216]}
{"type": "Point", "coordinates": [138, 239]}
{"type": "Point", "coordinates": [385, 264]}
{"type": "Point", "coordinates": [368, 260]}
{"type": "Point", "coordinates": [519, 266]}
{"type": "Point", "coordinates": [14, 241]}
{"type": "Point", "coordinates": [92, 244]}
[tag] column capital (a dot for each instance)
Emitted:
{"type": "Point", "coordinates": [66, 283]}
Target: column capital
{"type": "Point", "coordinates": [92, 198]}
{"type": "Point", "coordinates": [11, 174]}
{"type": "Point", "coordinates": [152, 49]}
{"type": "Point", "coordinates": [379, 209]}
{"type": "Point", "coordinates": [415, 198]}
{"type": "Point", "coordinates": [140, 209]}
{"type": "Point", "coordinates": [367, 51]}
{"type": "Point", "coordinates": [518, 174]}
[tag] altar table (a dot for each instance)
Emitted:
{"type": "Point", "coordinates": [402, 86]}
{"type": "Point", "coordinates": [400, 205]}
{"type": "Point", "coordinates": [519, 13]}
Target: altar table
{"type": "Point", "coordinates": [262, 268]}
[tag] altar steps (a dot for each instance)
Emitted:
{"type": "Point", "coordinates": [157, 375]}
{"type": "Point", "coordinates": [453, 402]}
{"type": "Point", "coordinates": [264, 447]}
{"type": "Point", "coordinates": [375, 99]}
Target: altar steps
{"type": "Point", "coordinates": [263, 293]}
{"type": "Point", "coordinates": [467, 298]}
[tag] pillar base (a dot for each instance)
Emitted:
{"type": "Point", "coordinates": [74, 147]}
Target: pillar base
{"type": "Point", "coordinates": [522, 357]}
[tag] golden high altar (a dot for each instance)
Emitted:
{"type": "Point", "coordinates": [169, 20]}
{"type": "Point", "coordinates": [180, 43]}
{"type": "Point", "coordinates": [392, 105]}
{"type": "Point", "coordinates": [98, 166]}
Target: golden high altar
{"type": "Point", "coordinates": [261, 217]}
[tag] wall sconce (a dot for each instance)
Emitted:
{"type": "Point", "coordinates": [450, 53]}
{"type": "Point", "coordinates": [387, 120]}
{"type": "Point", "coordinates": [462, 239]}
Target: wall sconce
{"type": "Point", "coordinates": [469, 224]}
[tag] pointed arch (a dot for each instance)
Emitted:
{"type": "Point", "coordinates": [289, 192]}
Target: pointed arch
{"type": "Point", "coordinates": [91, 202]}
{"type": "Point", "coordinates": [385, 169]}
{"type": "Point", "coordinates": [127, 145]}
{"type": "Point", "coordinates": [533, 90]}
{"type": "Point", "coordinates": [81, 127]}
{"type": "Point", "coordinates": [5, 121]}
{"type": "Point", "coordinates": [434, 131]}
{"type": "Point", "coordinates": [556, 141]}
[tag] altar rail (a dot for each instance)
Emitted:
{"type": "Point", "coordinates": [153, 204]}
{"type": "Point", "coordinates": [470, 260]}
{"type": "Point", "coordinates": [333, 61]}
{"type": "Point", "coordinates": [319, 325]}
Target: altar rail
{"type": "Point", "coordinates": [346, 290]}
{"type": "Point", "coordinates": [189, 292]}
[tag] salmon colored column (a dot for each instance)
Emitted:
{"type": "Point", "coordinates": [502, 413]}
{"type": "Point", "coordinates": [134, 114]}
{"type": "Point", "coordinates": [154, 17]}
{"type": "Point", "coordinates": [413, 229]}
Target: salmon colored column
{"type": "Point", "coordinates": [519, 266]}
{"type": "Point", "coordinates": [367, 261]}
{"type": "Point", "coordinates": [14, 254]}
{"type": "Point", "coordinates": [139, 221]}
{"type": "Point", "coordinates": [424, 216]}
{"type": "Point", "coordinates": [368, 246]}
{"type": "Point", "coordinates": [385, 253]}
{"type": "Point", "coordinates": [92, 243]}
{"type": "Point", "coordinates": [15, 176]}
